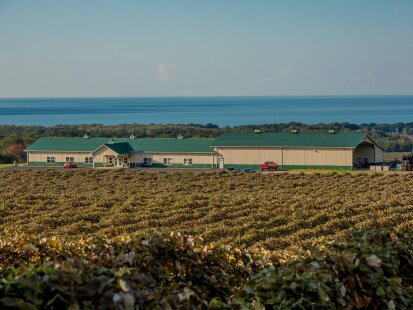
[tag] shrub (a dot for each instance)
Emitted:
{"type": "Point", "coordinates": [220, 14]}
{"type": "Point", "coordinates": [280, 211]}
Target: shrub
{"type": "Point", "coordinates": [369, 271]}
{"type": "Point", "coordinates": [156, 271]}
{"type": "Point", "coordinates": [372, 271]}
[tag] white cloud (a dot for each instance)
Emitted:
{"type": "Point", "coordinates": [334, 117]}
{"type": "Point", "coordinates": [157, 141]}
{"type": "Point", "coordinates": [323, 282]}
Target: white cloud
{"type": "Point", "coordinates": [281, 73]}
{"type": "Point", "coordinates": [66, 71]}
{"type": "Point", "coordinates": [167, 72]}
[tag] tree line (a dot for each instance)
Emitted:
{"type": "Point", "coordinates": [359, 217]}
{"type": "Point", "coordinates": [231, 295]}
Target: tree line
{"type": "Point", "coordinates": [396, 137]}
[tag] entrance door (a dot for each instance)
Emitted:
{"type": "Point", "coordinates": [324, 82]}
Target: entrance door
{"type": "Point", "coordinates": [109, 161]}
{"type": "Point", "coordinates": [221, 163]}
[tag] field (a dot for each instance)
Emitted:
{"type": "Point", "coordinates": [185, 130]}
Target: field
{"type": "Point", "coordinates": [132, 239]}
{"type": "Point", "coordinates": [273, 211]}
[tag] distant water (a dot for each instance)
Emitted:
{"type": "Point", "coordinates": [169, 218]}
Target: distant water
{"type": "Point", "coordinates": [201, 110]}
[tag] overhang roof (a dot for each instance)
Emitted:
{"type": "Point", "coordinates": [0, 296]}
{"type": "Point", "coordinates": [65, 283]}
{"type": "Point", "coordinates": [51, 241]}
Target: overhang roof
{"type": "Point", "coordinates": [120, 148]}
{"type": "Point", "coordinates": [306, 139]}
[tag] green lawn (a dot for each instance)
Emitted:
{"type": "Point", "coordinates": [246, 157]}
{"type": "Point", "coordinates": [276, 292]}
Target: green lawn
{"type": "Point", "coordinates": [325, 170]}
{"type": "Point", "coordinates": [339, 171]}
{"type": "Point", "coordinates": [10, 165]}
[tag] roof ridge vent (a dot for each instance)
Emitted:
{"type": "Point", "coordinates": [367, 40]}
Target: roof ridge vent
{"type": "Point", "coordinates": [331, 131]}
{"type": "Point", "coordinates": [180, 137]}
{"type": "Point", "coordinates": [257, 131]}
{"type": "Point", "coordinates": [111, 141]}
{"type": "Point", "coordinates": [295, 131]}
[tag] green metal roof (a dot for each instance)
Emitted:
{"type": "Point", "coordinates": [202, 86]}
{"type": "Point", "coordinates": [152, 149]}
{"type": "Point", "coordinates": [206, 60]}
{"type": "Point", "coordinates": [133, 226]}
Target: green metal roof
{"type": "Point", "coordinates": [201, 145]}
{"type": "Point", "coordinates": [172, 145]}
{"type": "Point", "coordinates": [120, 148]}
{"type": "Point", "coordinates": [68, 144]}
{"type": "Point", "coordinates": [323, 140]}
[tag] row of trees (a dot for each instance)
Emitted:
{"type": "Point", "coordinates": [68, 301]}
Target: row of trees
{"type": "Point", "coordinates": [13, 139]}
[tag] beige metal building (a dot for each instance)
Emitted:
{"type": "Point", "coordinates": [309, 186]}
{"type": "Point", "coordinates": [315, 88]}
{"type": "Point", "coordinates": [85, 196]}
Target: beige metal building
{"type": "Point", "coordinates": [298, 150]}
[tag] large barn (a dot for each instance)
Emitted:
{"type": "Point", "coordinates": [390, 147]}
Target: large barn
{"type": "Point", "coordinates": [298, 150]}
{"type": "Point", "coordinates": [243, 149]}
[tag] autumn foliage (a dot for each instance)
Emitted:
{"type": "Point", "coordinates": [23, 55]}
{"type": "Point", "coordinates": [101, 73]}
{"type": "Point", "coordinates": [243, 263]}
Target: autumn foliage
{"type": "Point", "coordinates": [158, 271]}
{"type": "Point", "coordinates": [15, 151]}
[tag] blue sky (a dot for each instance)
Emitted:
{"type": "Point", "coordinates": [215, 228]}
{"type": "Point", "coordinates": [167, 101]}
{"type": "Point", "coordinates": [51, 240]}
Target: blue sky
{"type": "Point", "coordinates": [205, 48]}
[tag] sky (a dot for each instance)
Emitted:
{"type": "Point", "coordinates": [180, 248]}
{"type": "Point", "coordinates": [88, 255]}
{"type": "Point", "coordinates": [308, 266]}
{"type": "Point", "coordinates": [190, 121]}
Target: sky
{"type": "Point", "coordinates": [104, 48]}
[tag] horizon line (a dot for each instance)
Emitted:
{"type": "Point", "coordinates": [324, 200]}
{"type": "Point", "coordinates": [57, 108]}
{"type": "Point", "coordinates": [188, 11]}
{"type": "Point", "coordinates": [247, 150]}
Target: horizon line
{"type": "Point", "coordinates": [207, 96]}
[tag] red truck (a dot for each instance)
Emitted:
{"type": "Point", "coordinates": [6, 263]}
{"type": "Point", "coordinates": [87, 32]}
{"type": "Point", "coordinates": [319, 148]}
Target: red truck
{"type": "Point", "coordinates": [269, 165]}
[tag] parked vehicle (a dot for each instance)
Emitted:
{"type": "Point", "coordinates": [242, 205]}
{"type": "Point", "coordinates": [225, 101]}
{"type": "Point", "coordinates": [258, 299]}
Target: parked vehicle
{"type": "Point", "coordinates": [269, 165]}
{"type": "Point", "coordinates": [248, 170]}
{"type": "Point", "coordinates": [232, 169]}
{"type": "Point", "coordinates": [69, 165]}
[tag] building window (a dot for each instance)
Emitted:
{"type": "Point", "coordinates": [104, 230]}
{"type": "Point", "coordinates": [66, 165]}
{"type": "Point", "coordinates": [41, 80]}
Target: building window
{"type": "Point", "coordinates": [147, 161]}
{"type": "Point", "coordinates": [51, 160]}
{"type": "Point", "coordinates": [188, 161]}
{"type": "Point", "coordinates": [110, 160]}
{"type": "Point", "coordinates": [70, 159]}
{"type": "Point", "coordinates": [88, 160]}
{"type": "Point", "coordinates": [167, 161]}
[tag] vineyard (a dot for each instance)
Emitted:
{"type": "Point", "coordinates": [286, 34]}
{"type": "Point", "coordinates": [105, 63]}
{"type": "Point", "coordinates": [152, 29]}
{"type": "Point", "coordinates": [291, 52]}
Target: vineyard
{"type": "Point", "coordinates": [181, 240]}
{"type": "Point", "coordinates": [272, 211]}
{"type": "Point", "coordinates": [127, 239]}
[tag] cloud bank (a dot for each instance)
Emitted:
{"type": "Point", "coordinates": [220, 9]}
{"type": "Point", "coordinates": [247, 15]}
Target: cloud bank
{"type": "Point", "coordinates": [281, 73]}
